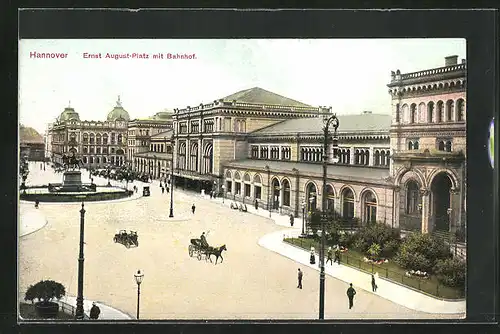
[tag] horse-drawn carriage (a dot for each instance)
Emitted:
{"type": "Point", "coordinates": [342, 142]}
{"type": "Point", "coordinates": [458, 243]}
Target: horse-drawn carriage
{"type": "Point", "coordinates": [200, 249]}
{"type": "Point", "coordinates": [126, 238]}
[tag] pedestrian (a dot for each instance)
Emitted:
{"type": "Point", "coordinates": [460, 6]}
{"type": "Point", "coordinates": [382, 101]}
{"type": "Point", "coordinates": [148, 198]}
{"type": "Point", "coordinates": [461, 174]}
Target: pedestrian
{"type": "Point", "coordinates": [256, 205]}
{"type": "Point", "coordinates": [168, 189]}
{"type": "Point", "coordinates": [337, 255]}
{"type": "Point", "coordinates": [291, 219]}
{"type": "Point", "coordinates": [299, 277]}
{"type": "Point", "coordinates": [37, 202]}
{"type": "Point", "coordinates": [193, 208]}
{"type": "Point", "coordinates": [94, 312]}
{"type": "Point", "coordinates": [160, 185]}
{"type": "Point", "coordinates": [162, 190]}
{"type": "Point", "coordinates": [329, 256]}
{"type": "Point", "coordinates": [350, 294]}
{"type": "Point", "coordinates": [211, 194]}
{"type": "Point", "coordinates": [374, 285]}
{"type": "Point", "coordinates": [312, 259]}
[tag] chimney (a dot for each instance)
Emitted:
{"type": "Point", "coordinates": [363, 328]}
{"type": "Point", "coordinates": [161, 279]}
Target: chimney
{"type": "Point", "coordinates": [450, 60]}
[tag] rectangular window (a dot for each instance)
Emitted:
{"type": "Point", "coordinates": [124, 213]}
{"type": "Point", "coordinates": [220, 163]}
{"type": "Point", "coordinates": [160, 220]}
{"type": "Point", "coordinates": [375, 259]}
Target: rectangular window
{"type": "Point", "coordinates": [237, 186]}
{"type": "Point", "coordinates": [229, 186]}
{"type": "Point", "coordinates": [247, 190]}
{"type": "Point", "coordinates": [209, 125]}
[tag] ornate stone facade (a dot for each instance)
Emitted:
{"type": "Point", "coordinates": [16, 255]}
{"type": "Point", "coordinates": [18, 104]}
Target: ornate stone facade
{"type": "Point", "coordinates": [99, 143]}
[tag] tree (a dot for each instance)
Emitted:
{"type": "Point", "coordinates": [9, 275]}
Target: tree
{"type": "Point", "coordinates": [421, 252]}
{"type": "Point", "coordinates": [45, 291]}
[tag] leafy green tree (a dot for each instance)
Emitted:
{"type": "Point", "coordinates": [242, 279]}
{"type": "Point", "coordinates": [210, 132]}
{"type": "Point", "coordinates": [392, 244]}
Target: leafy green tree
{"type": "Point", "coordinates": [421, 252]}
{"type": "Point", "coordinates": [374, 251]}
{"type": "Point", "coordinates": [451, 272]}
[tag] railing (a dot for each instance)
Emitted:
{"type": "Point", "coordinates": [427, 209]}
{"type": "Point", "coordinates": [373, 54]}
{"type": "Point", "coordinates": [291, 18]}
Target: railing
{"type": "Point", "coordinates": [70, 309]}
{"type": "Point", "coordinates": [425, 285]}
{"type": "Point", "coordinates": [441, 70]}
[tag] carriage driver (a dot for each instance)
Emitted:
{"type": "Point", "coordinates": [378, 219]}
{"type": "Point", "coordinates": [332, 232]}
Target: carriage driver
{"type": "Point", "coordinates": [204, 240]}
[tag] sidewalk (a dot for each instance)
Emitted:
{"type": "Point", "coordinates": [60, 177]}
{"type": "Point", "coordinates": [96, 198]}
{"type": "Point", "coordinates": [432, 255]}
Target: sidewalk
{"type": "Point", "coordinates": [107, 312]}
{"type": "Point", "coordinates": [30, 219]}
{"type": "Point", "coordinates": [396, 293]}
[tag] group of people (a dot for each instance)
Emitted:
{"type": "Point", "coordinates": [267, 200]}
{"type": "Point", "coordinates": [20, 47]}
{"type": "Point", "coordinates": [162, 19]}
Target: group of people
{"type": "Point", "coordinates": [164, 186]}
{"type": "Point", "coordinates": [351, 292]}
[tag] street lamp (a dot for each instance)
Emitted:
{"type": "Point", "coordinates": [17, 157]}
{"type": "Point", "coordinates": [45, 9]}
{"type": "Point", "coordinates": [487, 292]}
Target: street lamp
{"type": "Point", "coordinates": [138, 280]}
{"type": "Point", "coordinates": [334, 122]}
{"type": "Point", "coordinates": [79, 298]}
{"type": "Point", "coordinates": [223, 193]}
{"type": "Point", "coordinates": [303, 219]}
{"type": "Point", "coordinates": [268, 190]}
{"type": "Point", "coordinates": [171, 215]}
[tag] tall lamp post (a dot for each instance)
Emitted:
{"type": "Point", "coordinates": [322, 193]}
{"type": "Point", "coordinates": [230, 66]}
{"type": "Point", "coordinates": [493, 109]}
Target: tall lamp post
{"type": "Point", "coordinates": [138, 280]}
{"type": "Point", "coordinates": [268, 189]}
{"type": "Point", "coordinates": [79, 298]}
{"type": "Point", "coordinates": [334, 122]}
{"type": "Point", "coordinates": [223, 193]}
{"type": "Point", "coordinates": [171, 215]}
{"type": "Point", "coordinates": [303, 219]}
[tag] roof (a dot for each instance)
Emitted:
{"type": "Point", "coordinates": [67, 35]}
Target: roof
{"type": "Point", "coordinates": [118, 113]}
{"type": "Point", "coordinates": [354, 173]}
{"type": "Point", "coordinates": [347, 123]}
{"type": "Point", "coordinates": [167, 134]}
{"type": "Point", "coordinates": [262, 96]}
{"type": "Point", "coordinates": [154, 155]}
{"type": "Point", "coordinates": [69, 114]}
{"type": "Point", "coordinates": [29, 135]}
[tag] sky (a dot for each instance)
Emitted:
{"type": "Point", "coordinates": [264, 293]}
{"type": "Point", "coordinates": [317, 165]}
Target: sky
{"type": "Point", "coordinates": [348, 74]}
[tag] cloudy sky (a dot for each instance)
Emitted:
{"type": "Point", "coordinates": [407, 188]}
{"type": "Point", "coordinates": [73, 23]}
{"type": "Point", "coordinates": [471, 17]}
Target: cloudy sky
{"type": "Point", "coordinates": [349, 75]}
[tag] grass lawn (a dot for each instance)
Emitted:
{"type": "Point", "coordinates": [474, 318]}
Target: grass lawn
{"type": "Point", "coordinates": [389, 270]}
{"type": "Point", "coordinates": [28, 312]}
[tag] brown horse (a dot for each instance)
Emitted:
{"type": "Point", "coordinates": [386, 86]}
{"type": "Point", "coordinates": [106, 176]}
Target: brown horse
{"type": "Point", "coordinates": [217, 251]}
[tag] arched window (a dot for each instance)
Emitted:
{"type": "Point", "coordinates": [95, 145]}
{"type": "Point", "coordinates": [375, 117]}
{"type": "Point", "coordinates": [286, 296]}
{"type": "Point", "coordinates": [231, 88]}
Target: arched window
{"type": "Point", "coordinates": [98, 139]}
{"type": "Point", "coordinates": [460, 110]}
{"type": "Point", "coordinates": [237, 183]}
{"type": "Point", "coordinates": [397, 113]}
{"type": "Point", "coordinates": [92, 138]}
{"type": "Point", "coordinates": [330, 199]}
{"type": "Point", "coordinates": [311, 197]}
{"type": "Point", "coordinates": [370, 207]}
{"type": "Point", "coordinates": [413, 113]}
{"type": "Point", "coordinates": [447, 147]}
{"type": "Point", "coordinates": [347, 203]}
{"type": "Point", "coordinates": [257, 188]}
{"type": "Point", "coordinates": [382, 158]}
{"type": "Point", "coordinates": [415, 145]}
{"type": "Point", "coordinates": [367, 157]}
{"type": "Point", "coordinates": [229, 182]}
{"type": "Point", "coordinates": [85, 138]}
{"type": "Point", "coordinates": [412, 197]}
{"type": "Point", "coordinates": [441, 145]}
{"type": "Point", "coordinates": [377, 159]}
{"type": "Point", "coordinates": [430, 112]}
{"type": "Point", "coordinates": [247, 186]}
{"type": "Point", "coordinates": [286, 192]}
{"type": "Point", "coordinates": [449, 110]}
{"type": "Point", "coordinates": [410, 145]}
{"type": "Point", "coordinates": [356, 157]}
{"type": "Point", "coordinates": [439, 111]}
{"type": "Point", "coordinates": [194, 157]}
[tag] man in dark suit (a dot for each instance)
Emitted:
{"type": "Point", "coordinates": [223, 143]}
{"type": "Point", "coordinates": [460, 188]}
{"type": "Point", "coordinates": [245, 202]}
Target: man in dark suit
{"type": "Point", "coordinates": [350, 294]}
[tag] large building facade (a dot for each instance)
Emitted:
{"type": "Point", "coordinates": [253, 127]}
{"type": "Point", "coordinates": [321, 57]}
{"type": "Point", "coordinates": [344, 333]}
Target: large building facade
{"type": "Point", "coordinates": [98, 143]}
{"type": "Point", "coordinates": [406, 168]}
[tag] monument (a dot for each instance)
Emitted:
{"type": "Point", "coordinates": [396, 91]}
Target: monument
{"type": "Point", "coordinates": [72, 178]}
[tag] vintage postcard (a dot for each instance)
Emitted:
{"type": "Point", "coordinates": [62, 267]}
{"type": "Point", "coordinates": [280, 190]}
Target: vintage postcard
{"type": "Point", "coordinates": [242, 179]}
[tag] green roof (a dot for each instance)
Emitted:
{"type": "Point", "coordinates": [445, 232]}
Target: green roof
{"type": "Point", "coordinates": [118, 113]}
{"type": "Point", "coordinates": [69, 114]}
{"type": "Point", "coordinates": [261, 96]}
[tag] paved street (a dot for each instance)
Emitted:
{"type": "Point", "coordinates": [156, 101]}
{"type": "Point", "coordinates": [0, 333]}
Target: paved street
{"type": "Point", "coordinates": [252, 282]}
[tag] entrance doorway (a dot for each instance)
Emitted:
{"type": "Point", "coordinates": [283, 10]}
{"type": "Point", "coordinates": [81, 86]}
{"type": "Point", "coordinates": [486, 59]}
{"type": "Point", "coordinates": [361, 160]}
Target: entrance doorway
{"type": "Point", "coordinates": [441, 207]}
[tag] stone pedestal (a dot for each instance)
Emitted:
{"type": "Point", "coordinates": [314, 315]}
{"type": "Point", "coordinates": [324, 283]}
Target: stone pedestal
{"type": "Point", "coordinates": [72, 180]}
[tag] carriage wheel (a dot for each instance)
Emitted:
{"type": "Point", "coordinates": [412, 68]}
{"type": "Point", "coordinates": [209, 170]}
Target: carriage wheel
{"type": "Point", "coordinates": [114, 239]}
{"type": "Point", "coordinates": [191, 251]}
